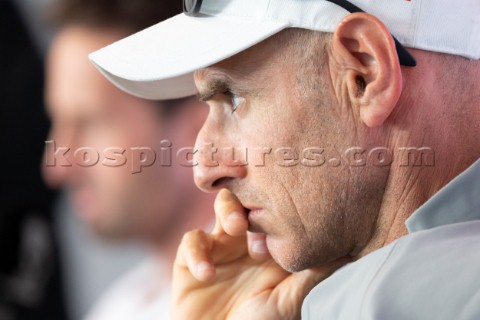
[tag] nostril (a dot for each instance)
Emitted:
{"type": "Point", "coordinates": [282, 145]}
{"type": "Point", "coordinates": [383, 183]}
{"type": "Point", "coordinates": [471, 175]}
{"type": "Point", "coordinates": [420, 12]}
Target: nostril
{"type": "Point", "coordinates": [221, 182]}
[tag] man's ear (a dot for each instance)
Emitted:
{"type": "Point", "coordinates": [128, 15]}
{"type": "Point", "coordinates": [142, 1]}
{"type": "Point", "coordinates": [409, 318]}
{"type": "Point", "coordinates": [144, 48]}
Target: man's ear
{"type": "Point", "coordinates": [367, 64]}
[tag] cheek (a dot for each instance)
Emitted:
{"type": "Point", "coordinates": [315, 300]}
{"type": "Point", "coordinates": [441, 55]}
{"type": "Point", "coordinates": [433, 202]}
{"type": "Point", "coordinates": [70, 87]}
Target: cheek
{"type": "Point", "coordinates": [304, 204]}
{"type": "Point", "coordinates": [111, 182]}
{"type": "Point", "coordinates": [297, 198]}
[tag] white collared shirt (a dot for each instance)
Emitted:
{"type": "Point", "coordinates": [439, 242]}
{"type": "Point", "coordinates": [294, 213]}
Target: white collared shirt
{"type": "Point", "coordinates": [139, 295]}
{"type": "Point", "coordinates": [431, 273]}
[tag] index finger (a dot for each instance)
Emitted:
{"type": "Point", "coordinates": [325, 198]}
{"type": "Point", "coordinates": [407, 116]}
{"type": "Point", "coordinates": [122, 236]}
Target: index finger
{"type": "Point", "coordinates": [194, 253]}
{"type": "Point", "coordinates": [230, 215]}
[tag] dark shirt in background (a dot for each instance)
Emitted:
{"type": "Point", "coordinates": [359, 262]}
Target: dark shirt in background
{"type": "Point", "coordinates": [30, 279]}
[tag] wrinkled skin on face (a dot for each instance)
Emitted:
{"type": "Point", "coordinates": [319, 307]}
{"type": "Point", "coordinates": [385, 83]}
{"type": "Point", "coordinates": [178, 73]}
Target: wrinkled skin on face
{"type": "Point", "coordinates": [265, 97]}
{"type": "Point", "coordinates": [351, 92]}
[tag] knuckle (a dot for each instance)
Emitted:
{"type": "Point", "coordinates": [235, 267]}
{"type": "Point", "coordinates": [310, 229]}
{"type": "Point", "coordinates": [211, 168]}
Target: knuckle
{"type": "Point", "coordinates": [192, 236]}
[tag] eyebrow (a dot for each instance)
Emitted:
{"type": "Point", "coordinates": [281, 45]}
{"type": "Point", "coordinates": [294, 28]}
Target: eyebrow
{"type": "Point", "coordinates": [214, 82]}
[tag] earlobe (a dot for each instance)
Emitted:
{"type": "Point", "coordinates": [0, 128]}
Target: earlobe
{"type": "Point", "coordinates": [367, 64]}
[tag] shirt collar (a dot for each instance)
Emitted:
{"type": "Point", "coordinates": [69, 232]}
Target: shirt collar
{"type": "Point", "coordinates": [458, 201]}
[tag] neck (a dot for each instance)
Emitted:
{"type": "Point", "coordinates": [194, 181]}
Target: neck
{"type": "Point", "coordinates": [197, 215]}
{"type": "Point", "coordinates": [449, 129]}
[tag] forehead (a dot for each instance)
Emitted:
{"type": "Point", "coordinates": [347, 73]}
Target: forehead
{"type": "Point", "coordinates": [254, 63]}
{"type": "Point", "coordinates": [73, 84]}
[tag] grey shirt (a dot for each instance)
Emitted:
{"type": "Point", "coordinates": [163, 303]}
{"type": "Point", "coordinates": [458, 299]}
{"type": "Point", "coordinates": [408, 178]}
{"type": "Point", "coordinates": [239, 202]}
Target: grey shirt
{"type": "Point", "coordinates": [432, 273]}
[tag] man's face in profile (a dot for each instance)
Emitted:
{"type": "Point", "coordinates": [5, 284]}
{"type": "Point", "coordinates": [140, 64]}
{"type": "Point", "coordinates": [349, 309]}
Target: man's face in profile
{"type": "Point", "coordinates": [87, 111]}
{"type": "Point", "coordinates": [273, 96]}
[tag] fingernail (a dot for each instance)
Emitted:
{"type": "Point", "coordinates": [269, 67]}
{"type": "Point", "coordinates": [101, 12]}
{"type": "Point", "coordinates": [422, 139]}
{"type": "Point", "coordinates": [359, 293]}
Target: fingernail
{"type": "Point", "coordinates": [235, 215]}
{"type": "Point", "coordinates": [259, 246]}
{"type": "Point", "coordinates": [204, 268]}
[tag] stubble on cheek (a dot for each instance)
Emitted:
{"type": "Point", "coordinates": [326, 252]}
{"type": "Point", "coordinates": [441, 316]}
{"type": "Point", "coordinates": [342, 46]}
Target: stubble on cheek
{"type": "Point", "coordinates": [314, 229]}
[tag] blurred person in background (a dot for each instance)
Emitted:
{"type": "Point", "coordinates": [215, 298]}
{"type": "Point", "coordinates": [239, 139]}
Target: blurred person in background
{"type": "Point", "coordinates": [156, 203]}
{"type": "Point", "coordinates": [328, 75]}
{"type": "Point", "coordinates": [30, 277]}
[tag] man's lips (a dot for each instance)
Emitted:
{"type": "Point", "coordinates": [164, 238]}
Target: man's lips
{"type": "Point", "coordinates": [254, 216]}
{"type": "Point", "coordinates": [253, 212]}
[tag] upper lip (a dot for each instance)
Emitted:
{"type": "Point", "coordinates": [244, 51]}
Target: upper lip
{"type": "Point", "coordinates": [249, 209]}
{"type": "Point", "coordinates": [253, 208]}
{"type": "Point", "coordinates": [248, 206]}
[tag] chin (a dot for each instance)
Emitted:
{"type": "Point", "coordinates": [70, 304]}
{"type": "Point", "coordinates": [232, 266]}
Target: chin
{"type": "Point", "coordinates": [292, 265]}
{"type": "Point", "coordinates": [111, 233]}
{"type": "Point", "coordinates": [296, 256]}
{"type": "Point", "coordinates": [290, 257]}
{"type": "Point", "coordinates": [108, 227]}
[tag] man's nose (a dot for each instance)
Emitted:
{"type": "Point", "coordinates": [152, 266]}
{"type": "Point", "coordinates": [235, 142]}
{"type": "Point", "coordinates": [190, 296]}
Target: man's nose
{"type": "Point", "coordinates": [218, 166]}
{"type": "Point", "coordinates": [56, 176]}
{"type": "Point", "coordinates": [57, 164]}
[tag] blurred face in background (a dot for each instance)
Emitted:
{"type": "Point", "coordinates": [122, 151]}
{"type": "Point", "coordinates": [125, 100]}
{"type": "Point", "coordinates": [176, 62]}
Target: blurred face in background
{"type": "Point", "coordinates": [87, 111]}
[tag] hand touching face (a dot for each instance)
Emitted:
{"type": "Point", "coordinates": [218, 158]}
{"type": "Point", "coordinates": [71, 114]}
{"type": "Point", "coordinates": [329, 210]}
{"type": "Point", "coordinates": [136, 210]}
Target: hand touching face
{"type": "Point", "coordinates": [229, 274]}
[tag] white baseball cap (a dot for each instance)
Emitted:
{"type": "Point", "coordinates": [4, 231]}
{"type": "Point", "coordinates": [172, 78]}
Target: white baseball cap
{"type": "Point", "coordinates": [158, 62]}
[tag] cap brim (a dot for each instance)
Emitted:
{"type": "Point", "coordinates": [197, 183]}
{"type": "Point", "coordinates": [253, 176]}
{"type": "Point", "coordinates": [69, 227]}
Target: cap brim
{"type": "Point", "coordinates": [158, 62]}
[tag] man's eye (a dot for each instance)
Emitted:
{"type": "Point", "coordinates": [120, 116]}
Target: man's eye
{"type": "Point", "coordinates": [236, 101]}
